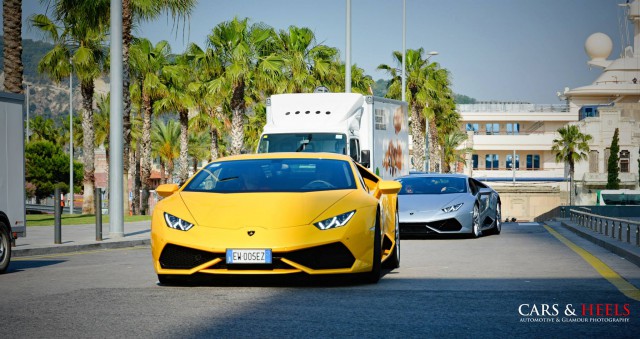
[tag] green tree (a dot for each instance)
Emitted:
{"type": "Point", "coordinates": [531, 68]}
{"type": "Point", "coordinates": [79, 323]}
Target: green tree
{"type": "Point", "coordinates": [613, 164]}
{"type": "Point", "coordinates": [165, 144]}
{"type": "Point", "coordinates": [102, 124]}
{"type": "Point", "coordinates": [304, 61]}
{"type": "Point", "coordinates": [147, 62]}
{"type": "Point", "coordinates": [47, 166]}
{"type": "Point", "coordinates": [177, 98]}
{"type": "Point", "coordinates": [210, 93]}
{"type": "Point", "coordinates": [428, 95]}
{"type": "Point", "coordinates": [79, 44]}
{"type": "Point", "coordinates": [571, 147]}
{"type": "Point", "coordinates": [452, 155]}
{"type": "Point", "coordinates": [198, 149]}
{"type": "Point", "coordinates": [12, 49]}
{"type": "Point", "coordinates": [248, 62]}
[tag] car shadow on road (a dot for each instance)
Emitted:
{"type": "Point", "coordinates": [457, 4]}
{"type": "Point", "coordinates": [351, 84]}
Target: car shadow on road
{"type": "Point", "coordinates": [23, 265]}
{"type": "Point", "coordinates": [285, 280]}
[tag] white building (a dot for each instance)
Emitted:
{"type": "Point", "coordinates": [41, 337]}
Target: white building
{"type": "Point", "coordinates": [512, 142]}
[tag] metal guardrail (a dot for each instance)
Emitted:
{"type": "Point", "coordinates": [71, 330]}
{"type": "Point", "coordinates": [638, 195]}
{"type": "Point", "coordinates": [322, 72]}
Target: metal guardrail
{"type": "Point", "coordinates": [602, 225]}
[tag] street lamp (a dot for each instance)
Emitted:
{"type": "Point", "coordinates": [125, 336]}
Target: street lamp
{"type": "Point", "coordinates": [426, 126]}
{"type": "Point", "coordinates": [71, 195]}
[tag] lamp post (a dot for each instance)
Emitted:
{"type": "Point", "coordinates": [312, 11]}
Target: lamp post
{"type": "Point", "coordinates": [71, 138]}
{"type": "Point", "coordinates": [426, 126]}
{"type": "Point", "coordinates": [347, 62]}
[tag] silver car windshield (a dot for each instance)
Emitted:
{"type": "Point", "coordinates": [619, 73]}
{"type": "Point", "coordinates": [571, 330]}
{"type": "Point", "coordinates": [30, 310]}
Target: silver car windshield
{"type": "Point", "coordinates": [273, 175]}
{"type": "Point", "coordinates": [433, 185]}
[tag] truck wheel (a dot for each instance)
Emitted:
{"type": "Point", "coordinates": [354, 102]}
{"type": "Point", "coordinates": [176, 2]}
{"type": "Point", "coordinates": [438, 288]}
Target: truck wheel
{"type": "Point", "coordinates": [5, 247]}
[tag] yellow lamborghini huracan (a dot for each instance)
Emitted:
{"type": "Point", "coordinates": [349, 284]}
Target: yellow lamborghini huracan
{"type": "Point", "coordinates": [277, 213]}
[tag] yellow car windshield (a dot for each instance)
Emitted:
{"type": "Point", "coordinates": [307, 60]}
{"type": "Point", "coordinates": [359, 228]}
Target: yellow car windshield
{"type": "Point", "coordinates": [273, 175]}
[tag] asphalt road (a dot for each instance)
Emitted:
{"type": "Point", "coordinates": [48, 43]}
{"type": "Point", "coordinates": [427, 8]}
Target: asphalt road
{"type": "Point", "coordinates": [444, 288]}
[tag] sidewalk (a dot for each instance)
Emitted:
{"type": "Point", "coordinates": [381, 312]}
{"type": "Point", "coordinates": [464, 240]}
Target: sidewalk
{"type": "Point", "coordinates": [629, 251]}
{"type": "Point", "coordinates": [40, 239]}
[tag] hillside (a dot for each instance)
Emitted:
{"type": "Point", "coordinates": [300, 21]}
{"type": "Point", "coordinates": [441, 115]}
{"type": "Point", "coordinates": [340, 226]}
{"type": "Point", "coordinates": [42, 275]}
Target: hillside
{"type": "Point", "coordinates": [46, 98]}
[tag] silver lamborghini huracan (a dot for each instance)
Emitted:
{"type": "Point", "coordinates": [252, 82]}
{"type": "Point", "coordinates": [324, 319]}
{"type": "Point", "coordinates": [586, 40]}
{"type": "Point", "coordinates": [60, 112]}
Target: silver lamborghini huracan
{"type": "Point", "coordinates": [447, 204]}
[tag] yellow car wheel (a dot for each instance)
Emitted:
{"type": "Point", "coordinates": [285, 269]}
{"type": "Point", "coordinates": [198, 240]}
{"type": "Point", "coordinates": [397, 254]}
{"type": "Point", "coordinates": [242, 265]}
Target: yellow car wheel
{"type": "Point", "coordinates": [374, 276]}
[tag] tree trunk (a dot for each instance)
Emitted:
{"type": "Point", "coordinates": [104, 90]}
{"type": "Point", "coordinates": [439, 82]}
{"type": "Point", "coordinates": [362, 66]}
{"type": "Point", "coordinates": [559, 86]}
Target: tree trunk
{"type": "Point", "coordinates": [434, 147]}
{"type": "Point", "coordinates": [88, 151]}
{"type": "Point", "coordinates": [184, 146]}
{"type": "Point", "coordinates": [12, 52]}
{"type": "Point", "coordinates": [417, 134]}
{"type": "Point", "coordinates": [145, 156]}
{"type": "Point", "coordinates": [237, 121]}
{"type": "Point", "coordinates": [213, 132]}
{"type": "Point", "coordinates": [126, 97]}
{"type": "Point", "coordinates": [137, 183]}
{"type": "Point", "coordinates": [163, 178]}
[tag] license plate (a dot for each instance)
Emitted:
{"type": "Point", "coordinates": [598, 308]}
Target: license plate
{"type": "Point", "coordinates": [248, 256]}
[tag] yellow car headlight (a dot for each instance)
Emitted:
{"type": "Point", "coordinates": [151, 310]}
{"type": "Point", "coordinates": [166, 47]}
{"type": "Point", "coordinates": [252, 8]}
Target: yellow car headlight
{"type": "Point", "coordinates": [177, 223]}
{"type": "Point", "coordinates": [335, 222]}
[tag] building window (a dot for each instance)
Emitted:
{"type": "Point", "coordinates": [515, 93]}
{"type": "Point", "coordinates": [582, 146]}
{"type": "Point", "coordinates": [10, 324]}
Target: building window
{"type": "Point", "coordinates": [510, 161]}
{"type": "Point", "coordinates": [492, 161]}
{"type": "Point", "coordinates": [624, 161]}
{"type": "Point", "coordinates": [533, 161]}
{"type": "Point", "coordinates": [493, 129]}
{"type": "Point", "coordinates": [513, 128]}
{"type": "Point", "coordinates": [607, 153]}
{"type": "Point", "coordinates": [473, 127]}
{"type": "Point", "coordinates": [593, 161]}
{"type": "Point", "coordinates": [474, 161]}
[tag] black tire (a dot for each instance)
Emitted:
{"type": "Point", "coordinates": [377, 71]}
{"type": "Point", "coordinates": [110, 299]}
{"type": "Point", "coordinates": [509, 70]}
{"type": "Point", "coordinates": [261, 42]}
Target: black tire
{"type": "Point", "coordinates": [476, 229]}
{"type": "Point", "coordinates": [394, 259]}
{"type": "Point", "coordinates": [5, 247]}
{"type": "Point", "coordinates": [497, 223]}
{"type": "Point", "coordinates": [374, 276]}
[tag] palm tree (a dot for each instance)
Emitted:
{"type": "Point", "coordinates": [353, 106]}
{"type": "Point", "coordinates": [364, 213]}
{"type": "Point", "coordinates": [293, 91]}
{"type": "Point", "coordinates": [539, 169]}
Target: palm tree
{"type": "Point", "coordinates": [78, 44]}
{"type": "Point", "coordinates": [451, 154]}
{"type": "Point", "coordinates": [198, 150]}
{"type": "Point", "coordinates": [147, 62]}
{"type": "Point", "coordinates": [246, 55]}
{"type": "Point", "coordinates": [429, 96]}
{"type": "Point", "coordinates": [571, 147]}
{"type": "Point", "coordinates": [102, 124]}
{"type": "Point", "coordinates": [304, 61]}
{"type": "Point", "coordinates": [165, 144]}
{"type": "Point", "coordinates": [176, 78]}
{"type": "Point", "coordinates": [209, 92]}
{"type": "Point", "coordinates": [43, 129]}
{"type": "Point", "coordinates": [12, 51]}
{"type": "Point", "coordinates": [135, 11]}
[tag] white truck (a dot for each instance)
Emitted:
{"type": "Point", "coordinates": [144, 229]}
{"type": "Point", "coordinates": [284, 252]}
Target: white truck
{"type": "Point", "coordinates": [372, 130]}
{"type": "Point", "coordinates": [12, 208]}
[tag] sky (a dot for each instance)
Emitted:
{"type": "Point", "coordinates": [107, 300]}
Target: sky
{"type": "Point", "coordinates": [503, 50]}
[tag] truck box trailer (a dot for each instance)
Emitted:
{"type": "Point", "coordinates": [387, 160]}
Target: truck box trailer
{"type": "Point", "coordinates": [12, 202]}
{"type": "Point", "coordinates": [372, 130]}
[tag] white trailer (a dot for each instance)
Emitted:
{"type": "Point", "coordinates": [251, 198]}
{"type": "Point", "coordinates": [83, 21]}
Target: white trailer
{"type": "Point", "coordinates": [12, 209]}
{"type": "Point", "coordinates": [372, 130]}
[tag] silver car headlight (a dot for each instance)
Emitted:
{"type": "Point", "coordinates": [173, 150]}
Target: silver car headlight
{"type": "Point", "coordinates": [335, 222]}
{"type": "Point", "coordinates": [452, 208]}
{"type": "Point", "coordinates": [177, 223]}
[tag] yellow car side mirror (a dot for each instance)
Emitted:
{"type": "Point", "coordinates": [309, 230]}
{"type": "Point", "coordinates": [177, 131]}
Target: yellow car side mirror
{"type": "Point", "coordinates": [388, 187]}
{"type": "Point", "coordinates": [166, 190]}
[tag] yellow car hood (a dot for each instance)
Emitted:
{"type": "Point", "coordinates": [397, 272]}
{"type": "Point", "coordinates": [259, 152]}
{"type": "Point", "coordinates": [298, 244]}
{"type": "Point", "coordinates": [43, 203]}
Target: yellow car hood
{"type": "Point", "coordinates": [268, 210]}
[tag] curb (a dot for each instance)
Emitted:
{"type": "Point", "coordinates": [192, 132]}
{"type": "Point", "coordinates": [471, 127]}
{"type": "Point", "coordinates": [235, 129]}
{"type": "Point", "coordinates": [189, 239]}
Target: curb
{"type": "Point", "coordinates": [617, 248]}
{"type": "Point", "coordinates": [16, 253]}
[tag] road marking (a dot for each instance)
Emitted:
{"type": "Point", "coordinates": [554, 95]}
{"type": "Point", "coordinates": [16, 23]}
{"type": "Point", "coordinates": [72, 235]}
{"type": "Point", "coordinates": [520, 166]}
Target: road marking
{"type": "Point", "coordinates": [605, 271]}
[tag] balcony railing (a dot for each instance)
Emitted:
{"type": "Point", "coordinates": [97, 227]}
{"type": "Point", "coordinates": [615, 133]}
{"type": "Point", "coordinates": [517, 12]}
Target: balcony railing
{"type": "Point", "coordinates": [511, 107]}
{"type": "Point", "coordinates": [602, 178]}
